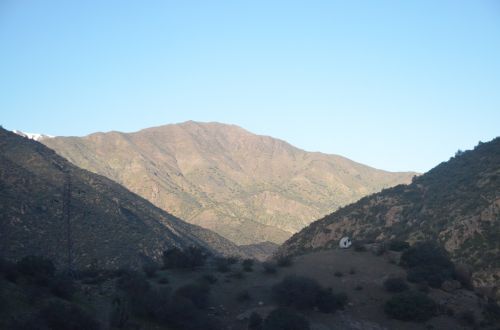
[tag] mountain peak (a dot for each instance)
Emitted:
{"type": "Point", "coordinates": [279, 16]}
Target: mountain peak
{"type": "Point", "coordinates": [246, 187]}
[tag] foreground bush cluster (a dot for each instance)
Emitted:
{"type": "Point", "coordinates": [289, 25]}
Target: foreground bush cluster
{"type": "Point", "coordinates": [305, 293]}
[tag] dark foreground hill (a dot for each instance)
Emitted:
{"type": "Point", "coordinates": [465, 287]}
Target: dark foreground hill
{"type": "Point", "coordinates": [109, 225]}
{"type": "Point", "coordinates": [457, 204]}
{"type": "Point", "coordinates": [336, 289]}
{"type": "Point", "coordinates": [246, 187]}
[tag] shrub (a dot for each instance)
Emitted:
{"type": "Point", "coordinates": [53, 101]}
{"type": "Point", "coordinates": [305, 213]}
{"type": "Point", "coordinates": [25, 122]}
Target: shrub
{"type": "Point", "coordinates": [395, 284]}
{"type": "Point", "coordinates": [243, 296]}
{"type": "Point", "coordinates": [297, 291]}
{"type": "Point", "coordinates": [63, 286]}
{"type": "Point", "coordinates": [284, 261]}
{"type": "Point", "coordinates": [133, 283]}
{"type": "Point", "coordinates": [359, 246]}
{"type": "Point", "coordinates": [150, 268]}
{"type": "Point", "coordinates": [358, 287]}
{"type": "Point", "coordinates": [247, 265]}
{"type": "Point", "coordinates": [338, 274]}
{"type": "Point", "coordinates": [269, 267]}
{"type": "Point", "coordinates": [285, 319]}
{"type": "Point", "coordinates": [255, 321]}
{"type": "Point", "coordinates": [397, 245]}
{"type": "Point", "coordinates": [468, 317]}
{"type": "Point", "coordinates": [492, 310]}
{"type": "Point", "coordinates": [428, 262]}
{"type": "Point", "coordinates": [120, 313]}
{"type": "Point", "coordinates": [432, 275]}
{"type": "Point", "coordinates": [39, 268]}
{"type": "Point", "coordinates": [62, 316]}
{"type": "Point", "coordinates": [352, 271]}
{"type": "Point", "coordinates": [305, 293]}
{"type": "Point", "coordinates": [410, 306]}
{"type": "Point", "coordinates": [209, 278]}
{"type": "Point", "coordinates": [197, 293]}
{"type": "Point", "coordinates": [222, 264]}
{"type": "Point", "coordinates": [236, 275]}
{"type": "Point", "coordinates": [8, 269]}
{"type": "Point", "coordinates": [163, 280]}
{"type": "Point", "coordinates": [190, 258]}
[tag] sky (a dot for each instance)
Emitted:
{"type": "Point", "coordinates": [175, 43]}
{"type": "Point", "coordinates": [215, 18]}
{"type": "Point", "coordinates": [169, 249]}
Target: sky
{"type": "Point", "coordinates": [397, 85]}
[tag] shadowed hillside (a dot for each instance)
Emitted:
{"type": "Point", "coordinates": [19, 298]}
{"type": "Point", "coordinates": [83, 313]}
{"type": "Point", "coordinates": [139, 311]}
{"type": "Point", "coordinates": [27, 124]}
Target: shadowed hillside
{"type": "Point", "coordinates": [457, 203]}
{"type": "Point", "coordinates": [109, 225]}
{"type": "Point", "coordinates": [246, 187]}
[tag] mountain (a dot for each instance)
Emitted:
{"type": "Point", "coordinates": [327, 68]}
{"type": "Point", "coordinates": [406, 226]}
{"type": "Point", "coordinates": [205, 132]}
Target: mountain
{"type": "Point", "coordinates": [456, 203]}
{"type": "Point", "coordinates": [108, 224]}
{"type": "Point", "coordinates": [245, 187]}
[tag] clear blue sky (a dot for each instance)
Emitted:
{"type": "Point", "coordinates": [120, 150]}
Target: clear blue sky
{"type": "Point", "coordinates": [399, 85]}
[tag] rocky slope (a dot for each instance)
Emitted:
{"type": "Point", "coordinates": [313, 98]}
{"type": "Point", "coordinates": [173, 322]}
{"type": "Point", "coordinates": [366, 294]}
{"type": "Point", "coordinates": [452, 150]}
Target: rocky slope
{"type": "Point", "coordinates": [456, 203]}
{"type": "Point", "coordinates": [109, 225]}
{"type": "Point", "coordinates": [247, 188]}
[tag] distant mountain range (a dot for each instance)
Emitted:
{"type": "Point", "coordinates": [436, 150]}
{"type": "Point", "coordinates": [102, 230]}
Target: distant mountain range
{"type": "Point", "coordinates": [456, 203]}
{"type": "Point", "coordinates": [245, 187]}
{"type": "Point", "coordinates": [109, 225]}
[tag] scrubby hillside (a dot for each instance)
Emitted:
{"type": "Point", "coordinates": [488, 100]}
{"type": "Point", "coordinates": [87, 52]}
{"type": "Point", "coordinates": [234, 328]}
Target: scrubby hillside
{"type": "Point", "coordinates": [457, 203]}
{"type": "Point", "coordinates": [109, 226]}
{"type": "Point", "coordinates": [246, 187]}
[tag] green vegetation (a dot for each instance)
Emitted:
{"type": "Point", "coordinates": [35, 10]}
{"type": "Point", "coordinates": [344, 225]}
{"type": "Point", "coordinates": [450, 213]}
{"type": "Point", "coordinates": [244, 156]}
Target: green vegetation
{"type": "Point", "coordinates": [395, 284]}
{"type": "Point", "coordinates": [284, 261]}
{"type": "Point", "coordinates": [247, 265]}
{"type": "Point", "coordinates": [428, 262]}
{"type": "Point", "coordinates": [189, 258]}
{"type": "Point", "coordinates": [410, 306]}
{"type": "Point", "coordinates": [397, 245]}
{"type": "Point", "coordinates": [285, 319]}
{"type": "Point", "coordinates": [305, 293]}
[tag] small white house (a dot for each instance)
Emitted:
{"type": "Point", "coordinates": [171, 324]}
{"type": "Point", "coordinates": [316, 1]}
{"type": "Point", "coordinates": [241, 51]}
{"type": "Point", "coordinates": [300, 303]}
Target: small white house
{"type": "Point", "coordinates": [345, 242]}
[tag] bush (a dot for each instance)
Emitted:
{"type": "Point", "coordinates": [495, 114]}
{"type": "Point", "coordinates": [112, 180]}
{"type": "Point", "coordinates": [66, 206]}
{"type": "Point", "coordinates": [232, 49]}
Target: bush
{"type": "Point", "coordinates": [284, 261]}
{"type": "Point", "coordinates": [133, 283]}
{"type": "Point", "coordinates": [150, 268]}
{"type": "Point", "coordinates": [359, 247]}
{"type": "Point", "coordinates": [432, 275]}
{"type": "Point", "coordinates": [62, 316]}
{"type": "Point", "coordinates": [428, 262]}
{"type": "Point", "coordinates": [163, 280]}
{"type": "Point", "coordinates": [223, 264]}
{"type": "Point", "coordinates": [243, 296]}
{"type": "Point", "coordinates": [209, 278]}
{"type": "Point", "coordinates": [296, 291]}
{"type": "Point", "coordinates": [192, 257]}
{"type": "Point", "coordinates": [338, 274]}
{"type": "Point", "coordinates": [395, 284]}
{"type": "Point", "coordinates": [397, 245]}
{"type": "Point", "coordinates": [269, 267]}
{"type": "Point", "coordinates": [197, 293]}
{"type": "Point", "coordinates": [247, 265]}
{"type": "Point", "coordinates": [8, 269]}
{"type": "Point", "coordinates": [63, 286]}
{"type": "Point", "coordinates": [468, 317]}
{"type": "Point", "coordinates": [306, 293]}
{"type": "Point", "coordinates": [410, 306]}
{"type": "Point", "coordinates": [492, 311]}
{"type": "Point", "coordinates": [39, 268]}
{"type": "Point", "coordinates": [285, 319]}
{"type": "Point", "coordinates": [255, 321]}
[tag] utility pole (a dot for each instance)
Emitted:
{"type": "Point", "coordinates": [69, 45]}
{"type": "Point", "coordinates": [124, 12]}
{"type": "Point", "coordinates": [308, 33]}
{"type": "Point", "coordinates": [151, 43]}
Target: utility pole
{"type": "Point", "coordinates": [67, 219]}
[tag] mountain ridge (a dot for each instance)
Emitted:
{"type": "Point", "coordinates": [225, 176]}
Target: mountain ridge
{"type": "Point", "coordinates": [248, 188]}
{"type": "Point", "coordinates": [456, 203]}
{"type": "Point", "coordinates": [110, 225]}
